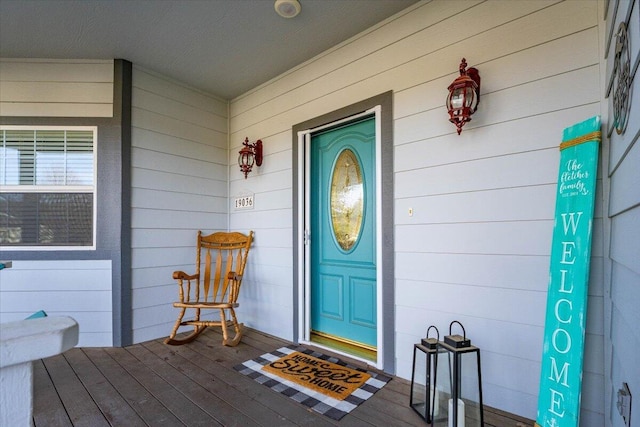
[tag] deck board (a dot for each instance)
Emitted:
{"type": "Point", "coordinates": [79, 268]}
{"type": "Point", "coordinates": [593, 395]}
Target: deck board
{"type": "Point", "coordinates": [47, 406]}
{"type": "Point", "coordinates": [208, 374]}
{"type": "Point", "coordinates": [215, 407]}
{"type": "Point", "coordinates": [112, 405]}
{"type": "Point", "coordinates": [179, 405]}
{"type": "Point", "coordinates": [195, 384]}
{"type": "Point", "coordinates": [150, 409]}
{"type": "Point", "coordinates": [77, 401]}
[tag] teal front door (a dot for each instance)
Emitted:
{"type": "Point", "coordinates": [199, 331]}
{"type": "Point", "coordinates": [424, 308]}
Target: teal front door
{"type": "Point", "coordinates": [342, 205]}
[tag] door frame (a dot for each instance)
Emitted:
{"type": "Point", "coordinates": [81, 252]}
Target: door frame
{"type": "Point", "coordinates": [379, 106]}
{"type": "Point", "coordinates": [304, 140]}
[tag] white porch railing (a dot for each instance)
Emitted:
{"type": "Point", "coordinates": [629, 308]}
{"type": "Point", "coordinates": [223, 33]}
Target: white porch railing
{"type": "Point", "coordinates": [21, 343]}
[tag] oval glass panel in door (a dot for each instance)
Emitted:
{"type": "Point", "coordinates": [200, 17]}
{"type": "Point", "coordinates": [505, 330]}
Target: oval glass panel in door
{"type": "Point", "coordinates": [347, 199]}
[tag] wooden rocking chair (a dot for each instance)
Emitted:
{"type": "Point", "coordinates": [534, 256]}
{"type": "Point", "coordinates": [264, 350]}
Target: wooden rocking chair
{"type": "Point", "coordinates": [218, 290]}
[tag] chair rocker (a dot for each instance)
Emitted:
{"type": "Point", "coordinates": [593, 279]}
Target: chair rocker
{"type": "Point", "coordinates": [226, 254]}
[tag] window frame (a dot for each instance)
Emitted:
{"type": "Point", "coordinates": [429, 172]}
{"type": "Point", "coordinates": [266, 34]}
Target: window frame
{"type": "Point", "coordinates": [62, 189]}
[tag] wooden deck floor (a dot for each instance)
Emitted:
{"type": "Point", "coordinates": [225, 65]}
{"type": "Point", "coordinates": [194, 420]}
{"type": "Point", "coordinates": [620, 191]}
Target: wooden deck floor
{"type": "Point", "coordinates": [152, 384]}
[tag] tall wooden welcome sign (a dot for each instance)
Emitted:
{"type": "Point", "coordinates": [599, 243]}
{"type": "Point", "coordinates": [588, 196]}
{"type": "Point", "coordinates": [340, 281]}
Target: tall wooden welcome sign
{"type": "Point", "coordinates": [564, 332]}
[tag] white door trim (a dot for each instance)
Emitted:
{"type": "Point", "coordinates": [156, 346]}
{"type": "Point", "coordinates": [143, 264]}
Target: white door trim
{"type": "Point", "coordinates": [303, 246]}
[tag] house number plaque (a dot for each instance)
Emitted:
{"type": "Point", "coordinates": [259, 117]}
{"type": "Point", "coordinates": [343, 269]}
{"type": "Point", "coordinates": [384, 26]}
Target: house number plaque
{"type": "Point", "coordinates": [244, 202]}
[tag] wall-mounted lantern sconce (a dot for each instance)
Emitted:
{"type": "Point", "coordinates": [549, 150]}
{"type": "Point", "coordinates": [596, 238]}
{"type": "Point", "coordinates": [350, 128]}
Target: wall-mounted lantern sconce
{"type": "Point", "coordinates": [464, 96]}
{"type": "Point", "coordinates": [248, 155]}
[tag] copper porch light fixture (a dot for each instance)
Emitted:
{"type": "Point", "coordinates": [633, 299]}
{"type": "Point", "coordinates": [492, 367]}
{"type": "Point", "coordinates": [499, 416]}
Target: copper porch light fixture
{"type": "Point", "coordinates": [464, 96]}
{"type": "Point", "coordinates": [249, 155]}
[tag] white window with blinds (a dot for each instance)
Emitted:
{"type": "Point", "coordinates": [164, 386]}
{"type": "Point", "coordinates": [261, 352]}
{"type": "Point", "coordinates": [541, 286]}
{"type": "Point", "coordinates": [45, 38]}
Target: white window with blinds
{"type": "Point", "coordinates": [47, 187]}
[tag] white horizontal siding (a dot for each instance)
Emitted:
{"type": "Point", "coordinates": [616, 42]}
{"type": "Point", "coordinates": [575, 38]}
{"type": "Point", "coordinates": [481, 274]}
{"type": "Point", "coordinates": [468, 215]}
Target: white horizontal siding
{"type": "Point", "coordinates": [80, 289]}
{"type": "Point", "coordinates": [625, 182]}
{"type": "Point", "coordinates": [419, 58]}
{"type": "Point", "coordinates": [479, 174]}
{"type": "Point", "coordinates": [179, 186]}
{"type": "Point", "coordinates": [508, 137]}
{"type": "Point", "coordinates": [622, 297]}
{"type": "Point", "coordinates": [507, 271]}
{"type": "Point", "coordinates": [56, 88]}
{"type": "Point", "coordinates": [477, 246]}
{"type": "Point", "coordinates": [484, 205]}
{"type": "Point", "coordinates": [175, 183]}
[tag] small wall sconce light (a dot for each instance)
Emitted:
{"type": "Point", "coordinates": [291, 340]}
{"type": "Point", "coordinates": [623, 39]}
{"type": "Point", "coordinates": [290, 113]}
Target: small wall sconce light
{"type": "Point", "coordinates": [249, 155]}
{"type": "Point", "coordinates": [464, 96]}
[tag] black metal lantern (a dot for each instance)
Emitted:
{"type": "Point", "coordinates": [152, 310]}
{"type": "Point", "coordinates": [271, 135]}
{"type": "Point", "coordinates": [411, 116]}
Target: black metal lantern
{"type": "Point", "coordinates": [424, 398]}
{"type": "Point", "coordinates": [464, 96]}
{"type": "Point", "coordinates": [465, 407]}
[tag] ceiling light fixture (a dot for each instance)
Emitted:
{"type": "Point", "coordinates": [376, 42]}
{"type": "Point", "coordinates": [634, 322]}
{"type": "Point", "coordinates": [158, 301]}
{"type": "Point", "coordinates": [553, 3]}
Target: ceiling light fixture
{"type": "Point", "coordinates": [287, 8]}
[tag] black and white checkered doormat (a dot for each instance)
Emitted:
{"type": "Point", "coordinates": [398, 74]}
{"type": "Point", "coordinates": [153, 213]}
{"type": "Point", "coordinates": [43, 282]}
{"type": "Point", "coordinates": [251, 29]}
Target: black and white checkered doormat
{"type": "Point", "coordinates": [331, 407]}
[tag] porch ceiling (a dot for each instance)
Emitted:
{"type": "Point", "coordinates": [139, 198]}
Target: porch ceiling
{"type": "Point", "coordinates": [224, 47]}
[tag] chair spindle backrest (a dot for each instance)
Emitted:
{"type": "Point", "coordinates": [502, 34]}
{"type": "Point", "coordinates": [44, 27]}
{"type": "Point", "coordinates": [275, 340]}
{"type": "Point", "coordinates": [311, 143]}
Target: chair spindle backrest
{"type": "Point", "coordinates": [225, 253]}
